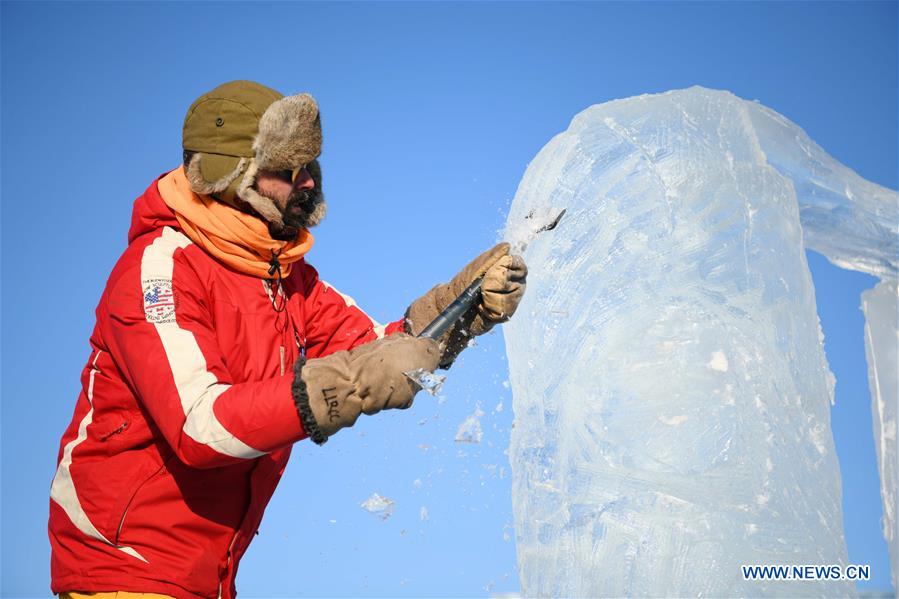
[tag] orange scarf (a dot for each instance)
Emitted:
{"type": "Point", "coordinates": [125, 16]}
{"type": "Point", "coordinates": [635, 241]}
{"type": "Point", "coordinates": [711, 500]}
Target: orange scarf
{"type": "Point", "coordinates": [239, 240]}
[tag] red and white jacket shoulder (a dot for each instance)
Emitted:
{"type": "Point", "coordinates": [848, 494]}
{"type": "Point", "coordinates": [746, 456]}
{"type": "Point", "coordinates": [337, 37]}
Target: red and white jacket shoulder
{"type": "Point", "coordinates": [161, 329]}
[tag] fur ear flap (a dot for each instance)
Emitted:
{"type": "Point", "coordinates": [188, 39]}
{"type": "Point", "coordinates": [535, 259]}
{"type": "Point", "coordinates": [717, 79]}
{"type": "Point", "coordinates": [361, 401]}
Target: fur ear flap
{"type": "Point", "coordinates": [318, 215]}
{"type": "Point", "coordinates": [315, 171]}
{"type": "Point", "coordinates": [199, 183]}
{"type": "Point", "coordinates": [261, 204]}
{"type": "Point", "coordinates": [321, 208]}
{"type": "Point", "coordinates": [290, 134]}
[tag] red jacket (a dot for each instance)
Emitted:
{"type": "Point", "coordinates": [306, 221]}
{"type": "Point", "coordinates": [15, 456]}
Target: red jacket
{"type": "Point", "coordinates": [185, 420]}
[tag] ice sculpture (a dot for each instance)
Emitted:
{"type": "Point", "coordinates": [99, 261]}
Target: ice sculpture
{"type": "Point", "coordinates": [881, 331]}
{"type": "Point", "coordinates": [671, 393]}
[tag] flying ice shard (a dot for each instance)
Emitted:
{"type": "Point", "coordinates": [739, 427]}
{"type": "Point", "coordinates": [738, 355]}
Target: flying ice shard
{"type": "Point", "coordinates": [470, 430]}
{"type": "Point", "coordinates": [671, 392]}
{"type": "Point", "coordinates": [382, 507]}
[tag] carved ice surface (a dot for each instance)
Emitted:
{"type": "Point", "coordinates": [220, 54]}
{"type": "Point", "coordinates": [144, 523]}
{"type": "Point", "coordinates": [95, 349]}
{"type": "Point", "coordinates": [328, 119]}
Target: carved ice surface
{"type": "Point", "coordinates": [671, 393]}
{"type": "Point", "coordinates": [881, 333]}
{"type": "Point", "coordinates": [382, 507]}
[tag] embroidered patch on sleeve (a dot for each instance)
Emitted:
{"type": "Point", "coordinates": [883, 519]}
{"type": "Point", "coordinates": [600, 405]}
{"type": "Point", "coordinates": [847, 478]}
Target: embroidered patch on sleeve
{"type": "Point", "coordinates": [159, 300]}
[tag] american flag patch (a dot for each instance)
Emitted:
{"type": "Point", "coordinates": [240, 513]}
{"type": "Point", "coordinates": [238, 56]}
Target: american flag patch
{"type": "Point", "coordinates": [159, 300]}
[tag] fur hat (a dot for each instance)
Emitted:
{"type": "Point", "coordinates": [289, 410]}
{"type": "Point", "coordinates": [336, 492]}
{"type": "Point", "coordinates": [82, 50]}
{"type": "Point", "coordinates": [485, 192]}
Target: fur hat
{"type": "Point", "coordinates": [241, 127]}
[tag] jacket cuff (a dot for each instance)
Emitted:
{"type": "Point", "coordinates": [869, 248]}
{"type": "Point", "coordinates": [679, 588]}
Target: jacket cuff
{"type": "Point", "coordinates": [301, 400]}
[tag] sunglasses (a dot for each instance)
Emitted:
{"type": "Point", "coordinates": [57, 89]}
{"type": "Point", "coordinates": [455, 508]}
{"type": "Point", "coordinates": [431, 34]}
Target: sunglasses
{"type": "Point", "coordinates": [290, 175]}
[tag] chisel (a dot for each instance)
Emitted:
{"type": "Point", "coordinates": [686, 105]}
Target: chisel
{"type": "Point", "coordinates": [452, 313]}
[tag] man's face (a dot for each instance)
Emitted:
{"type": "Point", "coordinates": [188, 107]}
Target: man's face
{"type": "Point", "coordinates": [296, 200]}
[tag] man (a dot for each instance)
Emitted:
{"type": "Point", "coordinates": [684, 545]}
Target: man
{"type": "Point", "coordinates": [217, 347]}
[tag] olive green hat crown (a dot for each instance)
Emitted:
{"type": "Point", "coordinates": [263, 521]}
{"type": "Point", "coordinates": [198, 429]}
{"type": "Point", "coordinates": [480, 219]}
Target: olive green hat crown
{"type": "Point", "coordinates": [240, 127]}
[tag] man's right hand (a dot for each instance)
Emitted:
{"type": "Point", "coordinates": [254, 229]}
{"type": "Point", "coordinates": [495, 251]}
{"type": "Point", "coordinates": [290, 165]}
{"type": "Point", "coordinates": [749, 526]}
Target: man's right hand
{"type": "Point", "coordinates": [504, 282]}
{"type": "Point", "coordinates": [331, 392]}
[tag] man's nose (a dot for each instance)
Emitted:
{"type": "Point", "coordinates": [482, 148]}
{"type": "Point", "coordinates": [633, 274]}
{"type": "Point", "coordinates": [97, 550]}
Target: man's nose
{"type": "Point", "coordinates": [304, 180]}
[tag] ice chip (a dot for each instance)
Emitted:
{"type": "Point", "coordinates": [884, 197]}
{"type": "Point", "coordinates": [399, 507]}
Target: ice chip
{"type": "Point", "coordinates": [520, 233]}
{"type": "Point", "coordinates": [430, 382]}
{"type": "Point", "coordinates": [470, 430]}
{"type": "Point", "coordinates": [674, 420]}
{"type": "Point", "coordinates": [382, 507]}
{"type": "Point", "coordinates": [718, 361]}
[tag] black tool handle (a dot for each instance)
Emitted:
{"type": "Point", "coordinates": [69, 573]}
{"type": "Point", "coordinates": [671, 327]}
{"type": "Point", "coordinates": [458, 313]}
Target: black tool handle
{"type": "Point", "coordinates": [454, 311]}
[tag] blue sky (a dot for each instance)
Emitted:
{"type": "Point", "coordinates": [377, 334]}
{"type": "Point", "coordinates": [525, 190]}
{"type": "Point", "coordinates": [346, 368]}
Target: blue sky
{"type": "Point", "coordinates": [431, 112]}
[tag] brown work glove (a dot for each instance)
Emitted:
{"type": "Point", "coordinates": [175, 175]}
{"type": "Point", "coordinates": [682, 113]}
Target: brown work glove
{"type": "Point", "coordinates": [331, 392]}
{"type": "Point", "coordinates": [501, 291]}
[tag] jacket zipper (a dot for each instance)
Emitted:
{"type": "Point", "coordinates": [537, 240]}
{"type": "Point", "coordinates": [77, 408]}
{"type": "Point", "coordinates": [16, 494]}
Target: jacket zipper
{"type": "Point", "coordinates": [273, 291]}
{"type": "Point", "coordinates": [121, 428]}
{"type": "Point", "coordinates": [228, 561]}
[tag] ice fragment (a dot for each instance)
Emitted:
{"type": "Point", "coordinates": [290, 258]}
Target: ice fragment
{"type": "Point", "coordinates": [718, 361]}
{"type": "Point", "coordinates": [470, 429]}
{"type": "Point", "coordinates": [382, 507]}
{"type": "Point", "coordinates": [428, 381]}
